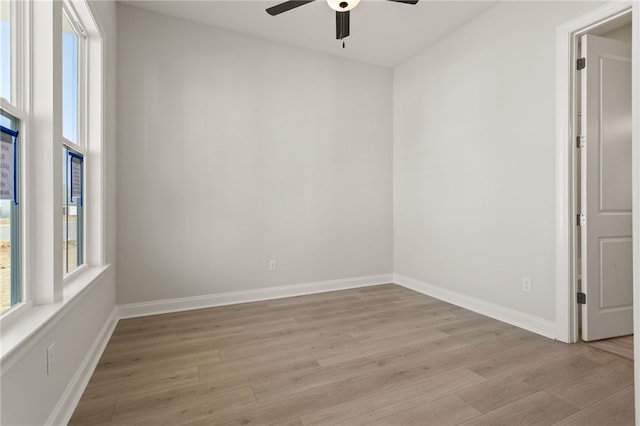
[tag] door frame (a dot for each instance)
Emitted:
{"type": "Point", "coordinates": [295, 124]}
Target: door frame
{"type": "Point", "coordinates": [566, 55]}
{"type": "Point", "coordinates": [566, 123]}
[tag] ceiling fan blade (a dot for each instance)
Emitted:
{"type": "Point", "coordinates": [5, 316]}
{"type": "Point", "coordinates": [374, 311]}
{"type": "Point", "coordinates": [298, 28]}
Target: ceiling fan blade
{"type": "Point", "coordinates": [286, 6]}
{"type": "Point", "coordinates": [342, 25]}
{"type": "Point", "coordinates": [405, 1]}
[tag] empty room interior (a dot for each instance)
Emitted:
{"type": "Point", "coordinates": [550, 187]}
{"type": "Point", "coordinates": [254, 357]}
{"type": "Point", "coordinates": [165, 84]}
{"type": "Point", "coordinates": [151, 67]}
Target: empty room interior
{"type": "Point", "coordinates": [390, 212]}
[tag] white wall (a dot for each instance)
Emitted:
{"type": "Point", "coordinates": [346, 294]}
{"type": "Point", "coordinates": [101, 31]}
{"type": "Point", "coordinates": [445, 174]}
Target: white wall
{"type": "Point", "coordinates": [233, 151]}
{"type": "Point", "coordinates": [29, 395]}
{"type": "Point", "coordinates": [474, 158]}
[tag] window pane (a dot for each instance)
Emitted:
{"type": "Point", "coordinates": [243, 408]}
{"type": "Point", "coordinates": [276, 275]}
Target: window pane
{"type": "Point", "coordinates": [69, 81]}
{"type": "Point", "coordinates": [5, 49]}
{"type": "Point", "coordinates": [10, 288]}
{"type": "Point", "coordinates": [72, 213]}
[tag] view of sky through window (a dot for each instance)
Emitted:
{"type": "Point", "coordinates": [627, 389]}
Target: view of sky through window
{"type": "Point", "coordinates": [69, 82]}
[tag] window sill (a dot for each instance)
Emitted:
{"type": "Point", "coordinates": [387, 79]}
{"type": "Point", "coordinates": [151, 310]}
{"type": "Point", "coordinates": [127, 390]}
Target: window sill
{"type": "Point", "coordinates": [22, 327]}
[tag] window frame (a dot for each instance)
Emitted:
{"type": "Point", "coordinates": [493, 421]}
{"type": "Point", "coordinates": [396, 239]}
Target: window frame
{"type": "Point", "coordinates": [80, 147]}
{"type": "Point", "coordinates": [20, 48]}
{"type": "Point", "coordinates": [36, 102]}
{"type": "Point", "coordinates": [19, 108]}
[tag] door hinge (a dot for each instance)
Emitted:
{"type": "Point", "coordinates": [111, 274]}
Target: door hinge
{"type": "Point", "coordinates": [582, 298]}
{"type": "Point", "coordinates": [581, 63]}
{"type": "Point", "coordinates": [581, 220]}
{"type": "Point", "coordinates": [581, 141]}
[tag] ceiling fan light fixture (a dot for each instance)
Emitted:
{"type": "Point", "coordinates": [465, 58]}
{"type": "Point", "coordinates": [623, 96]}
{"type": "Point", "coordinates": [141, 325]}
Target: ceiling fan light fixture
{"type": "Point", "coordinates": [342, 5]}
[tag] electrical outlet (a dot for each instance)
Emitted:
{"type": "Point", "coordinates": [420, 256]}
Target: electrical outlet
{"type": "Point", "coordinates": [526, 285]}
{"type": "Point", "coordinates": [273, 265]}
{"type": "Point", "coordinates": [50, 358]}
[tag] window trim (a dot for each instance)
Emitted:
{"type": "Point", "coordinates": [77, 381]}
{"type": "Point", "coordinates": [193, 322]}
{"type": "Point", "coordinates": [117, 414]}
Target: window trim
{"type": "Point", "coordinates": [94, 152]}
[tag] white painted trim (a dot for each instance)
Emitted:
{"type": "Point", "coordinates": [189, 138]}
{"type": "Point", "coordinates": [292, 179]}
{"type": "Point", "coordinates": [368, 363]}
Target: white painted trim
{"type": "Point", "coordinates": [198, 302]}
{"type": "Point", "coordinates": [528, 322]}
{"type": "Point", "coordinates": [43, 155]}
{"type": "Point", "coordinates": [563, 190]}
{"type": "Point", "coordinates": [21, 332]}
{"type": "Point", "coordinates": [68, 401]}
{"type": "Point", "coordinates": [566, 316]}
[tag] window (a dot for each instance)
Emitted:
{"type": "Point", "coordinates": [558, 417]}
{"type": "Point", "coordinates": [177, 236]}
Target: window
{"type": "Point", "coordinates": [10, 288]}
{"type": "Point", "coordinates": [33, 150]}
{"type": "Point", "coordinates": [73, 218]}
{"type": "Point", "coordinates": [73, 143]}
{"type": "Point", "coordinates": [70, 80]}
{"type": "Point", "coordinates": [6, 49]}
{"type": "Point", "coordinates": [11, 120]}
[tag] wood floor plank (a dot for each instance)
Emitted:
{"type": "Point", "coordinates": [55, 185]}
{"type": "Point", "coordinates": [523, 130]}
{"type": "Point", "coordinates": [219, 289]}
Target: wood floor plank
{"type": "Point", "coordinates": [140, 370]}
{"type": "Point", "coordinates": [356, 305]}
{"type": "Point", "coordinates": [622, 346]}
{"type": "Point", "coordinates": [448, 410]}
{"type": "Point", "coordinates": [592, 387]}
{"type": "Point", "coordinates": [539, 351]}
{"type": "Point", "coordinates": [414, 355]}
{"type": "Point", "coordinates": [617, 409]}
{"type": "Point", "coordinates": [357, 367]}
{"type": "Point", "coordinates": [539, 408]}
{"type": "Point", "coordinates": [194, 403]}
{"type": "Point", "coordinates": [250, 371]}
{"type": "Point", "coordinates": [92, 411]}
{"type": "Point", "coordinates": [162, 353]}
{"type": "Point", "coordinates": [365, 347]}
{"type": "Point", "coordinates": [382, 404]}
{"type": "Point", "coordinates": [313, 300]}
{"type": "Point", "coordinates": [215, 340]}
{"type": "Point", "coordinates": [405, 324]}
{"type": "Point", "coordinates": [506, 389]}
{"type": "Point", "coordinates": [142, 384]}
{"type": "Point", "coordinates": [301, 331]}
{"type": "Point", "coordinates": [373, 355]}
{"type": "Point", "coordinates": [320, 397]}
{"type": "Point", "coordinates": [594, 354]}
{"type": "Point", "coordinates": [304, 346]}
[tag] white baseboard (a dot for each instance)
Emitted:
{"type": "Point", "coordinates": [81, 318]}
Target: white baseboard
{"type": "Point", "coordinates": [528, 322]}
{"type": "Point", "coordinates": [68, 402]}
{"type": "Point", "coordinates": [207, 301]}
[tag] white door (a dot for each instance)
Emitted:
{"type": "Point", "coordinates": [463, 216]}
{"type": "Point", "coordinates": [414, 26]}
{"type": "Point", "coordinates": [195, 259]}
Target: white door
{"type": "Point", "coordinates": [606, 189]}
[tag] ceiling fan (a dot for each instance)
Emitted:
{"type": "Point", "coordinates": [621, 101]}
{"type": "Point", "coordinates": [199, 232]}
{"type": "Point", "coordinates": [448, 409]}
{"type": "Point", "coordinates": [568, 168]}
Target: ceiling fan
{"type": "Point", "coordinates": [342, 8]}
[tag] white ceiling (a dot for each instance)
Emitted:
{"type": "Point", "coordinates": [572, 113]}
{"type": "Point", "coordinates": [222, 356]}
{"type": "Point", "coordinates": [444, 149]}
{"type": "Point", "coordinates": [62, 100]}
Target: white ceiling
{"type": "Point", "coordinates": [382, 32]}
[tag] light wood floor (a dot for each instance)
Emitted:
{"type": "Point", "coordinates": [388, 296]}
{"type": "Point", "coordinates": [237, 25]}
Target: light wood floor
{"type": "Point", "coordinates": [379, 355]}
{"type": "Point", "coordinates": [622, 346]}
